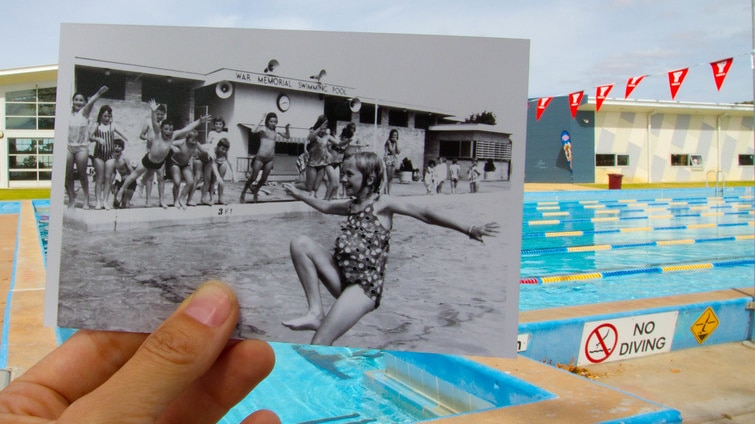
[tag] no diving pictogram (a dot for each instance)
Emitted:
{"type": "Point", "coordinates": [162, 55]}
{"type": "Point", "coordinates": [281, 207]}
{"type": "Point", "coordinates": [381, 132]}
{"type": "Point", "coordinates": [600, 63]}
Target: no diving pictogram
{"type": "Point", "coordinates": [601, 343]}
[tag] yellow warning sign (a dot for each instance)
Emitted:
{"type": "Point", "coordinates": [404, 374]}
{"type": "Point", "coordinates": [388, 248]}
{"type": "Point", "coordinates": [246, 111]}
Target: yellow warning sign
{"type": "Point", "coordinates": [704, 325]}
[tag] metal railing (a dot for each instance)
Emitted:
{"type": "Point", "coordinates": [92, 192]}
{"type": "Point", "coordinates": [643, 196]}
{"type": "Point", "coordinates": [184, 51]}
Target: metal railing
{"type": "Point", "coordinates": [720, 180]}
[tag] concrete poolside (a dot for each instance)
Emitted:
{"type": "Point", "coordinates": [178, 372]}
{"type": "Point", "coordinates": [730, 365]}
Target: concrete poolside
{"type": "Point", "coordinates": [706, 384]}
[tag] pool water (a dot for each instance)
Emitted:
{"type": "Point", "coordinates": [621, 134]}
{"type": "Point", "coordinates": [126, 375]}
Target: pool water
{"type": "Point", "coordinates": [573, 253]}
{"type": "Point", "coordinates": [655, 248]}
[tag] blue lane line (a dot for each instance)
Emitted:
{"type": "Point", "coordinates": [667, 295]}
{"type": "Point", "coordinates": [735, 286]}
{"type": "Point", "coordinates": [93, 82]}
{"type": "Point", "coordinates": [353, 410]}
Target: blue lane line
{"type": "Point", "coordinates": [596, 275]}
{"type": "Point", "coordinates": [578, 249]}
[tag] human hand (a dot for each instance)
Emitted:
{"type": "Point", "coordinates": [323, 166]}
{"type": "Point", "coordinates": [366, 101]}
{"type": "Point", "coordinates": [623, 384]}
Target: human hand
{"type": "Point", "coordinates": [185, 372]}
{"type": "Point", "coordinates": [477, 232]}
{"type": "Point", "coordinates": [292, 190]}
{"type": "Point", "coordinates": [153, 104]}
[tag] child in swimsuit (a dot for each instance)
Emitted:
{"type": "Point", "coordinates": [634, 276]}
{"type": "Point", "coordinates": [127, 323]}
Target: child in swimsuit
{"type": "Point", "coordinates": [354, 272]}
{"type": "Point", "coordinates": [102, 135]}
{"type": "Point", "coordinates": [263, 160]}
{"type": "Point", "coordinates": [205, 158]}
{"type": "Point", "coordinates": [122, 168]}
{"type": "Point", "coordinates": [220, 166]}
{"type": "Point", "coordinates": [161, 149]}
{"type": "Point", "coordinates": [180, 167]}
{"type": "Point", "coordinates": [78, 145]}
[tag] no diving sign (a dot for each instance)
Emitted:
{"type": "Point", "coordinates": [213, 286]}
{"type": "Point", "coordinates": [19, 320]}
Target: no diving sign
{"type": "Point", "coordinates": [624, 338]}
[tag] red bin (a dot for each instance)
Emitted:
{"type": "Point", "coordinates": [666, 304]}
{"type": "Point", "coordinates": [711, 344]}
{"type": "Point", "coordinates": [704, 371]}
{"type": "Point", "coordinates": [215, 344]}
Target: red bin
{"type": "Point", "coordinates": [614, 181]}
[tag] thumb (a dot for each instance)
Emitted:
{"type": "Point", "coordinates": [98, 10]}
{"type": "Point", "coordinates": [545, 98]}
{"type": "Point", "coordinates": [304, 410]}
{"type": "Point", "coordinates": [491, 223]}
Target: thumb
{"type": "Point", "coordinates": [181, 350]}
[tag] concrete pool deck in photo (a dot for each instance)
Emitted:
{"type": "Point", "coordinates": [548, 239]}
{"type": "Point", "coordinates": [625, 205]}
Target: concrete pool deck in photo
{"type": "Point", "coordinates": [707, 384]}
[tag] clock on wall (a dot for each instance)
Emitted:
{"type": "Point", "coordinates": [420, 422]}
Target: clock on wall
{"type": "Point", "coordinates": [283, 102]}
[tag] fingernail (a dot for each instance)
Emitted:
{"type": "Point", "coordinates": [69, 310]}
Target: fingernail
{"type": "Point", "coordinates": [210, 305]}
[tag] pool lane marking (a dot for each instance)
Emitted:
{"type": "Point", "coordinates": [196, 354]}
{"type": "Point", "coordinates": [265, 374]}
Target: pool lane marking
{"type": "Point", "coordinates": [633, 229]}
{"type": "Point", "coordinates": [595, 247]}
{"type": "Point", "coordinates": [535, 222]}
{"type": "Point", "coordinates": [676, 212]}
{"type": "Point", "coordinates": [633, 271]}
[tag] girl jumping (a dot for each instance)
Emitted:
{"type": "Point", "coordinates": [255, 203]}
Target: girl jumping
{"type": "Point", "coordinates": [354, 272]}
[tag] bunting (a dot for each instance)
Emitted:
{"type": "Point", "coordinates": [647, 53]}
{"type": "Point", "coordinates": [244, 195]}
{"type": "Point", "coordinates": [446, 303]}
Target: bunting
{"type": "Point", "coordinates": [542, 104]}
{"type": "Point", "coordinates": [720, 69]}
{"type": "Point", "coordinates": [601, 94]}
{"type": "Point", "coordinates": [632, 83]}
{"type": "Point", "coordinates": [575, 99]}
{"type": "Point", "coordinates": [675, 79]}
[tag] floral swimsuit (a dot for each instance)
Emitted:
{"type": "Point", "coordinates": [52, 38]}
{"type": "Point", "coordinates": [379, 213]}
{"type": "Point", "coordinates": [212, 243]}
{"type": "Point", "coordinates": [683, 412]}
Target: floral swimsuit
{"type": "Point", "coordinates": [361, 252]}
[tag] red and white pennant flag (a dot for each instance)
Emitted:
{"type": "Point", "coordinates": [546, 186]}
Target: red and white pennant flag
{"type": "Point", "coordinates": [575, 99]}
{"type": "Point", "coordinates": [542, 104]}
{"type": "Point", "coordinates": [601, 94]}
{"type": "Point", "coordinates": [632, 83]}
{"type": "Point", "coordinates": [675, 80]}
{"type": "Point", "coordinates": [720, 69]}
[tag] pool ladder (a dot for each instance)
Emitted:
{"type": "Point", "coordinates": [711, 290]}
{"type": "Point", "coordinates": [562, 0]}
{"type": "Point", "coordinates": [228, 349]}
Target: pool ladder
{"type": "Point", "coordinates": [722, 180]}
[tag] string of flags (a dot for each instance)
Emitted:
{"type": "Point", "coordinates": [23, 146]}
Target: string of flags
{"type": "Point", "coordinates": [675, 79]}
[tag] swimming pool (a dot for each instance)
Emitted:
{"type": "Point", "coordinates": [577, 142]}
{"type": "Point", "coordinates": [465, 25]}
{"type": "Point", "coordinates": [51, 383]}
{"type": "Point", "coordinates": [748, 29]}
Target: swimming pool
{"type": "Point", "coordinates": [576, 251]}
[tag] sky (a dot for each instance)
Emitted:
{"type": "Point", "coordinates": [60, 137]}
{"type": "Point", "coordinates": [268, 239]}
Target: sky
{"type": "Point", "coordinates": [574, 45]}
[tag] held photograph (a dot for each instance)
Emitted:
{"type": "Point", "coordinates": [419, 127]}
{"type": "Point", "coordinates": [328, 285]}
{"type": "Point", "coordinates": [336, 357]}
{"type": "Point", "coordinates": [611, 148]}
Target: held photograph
{"type": "Point", "coordinates": [355, 189]}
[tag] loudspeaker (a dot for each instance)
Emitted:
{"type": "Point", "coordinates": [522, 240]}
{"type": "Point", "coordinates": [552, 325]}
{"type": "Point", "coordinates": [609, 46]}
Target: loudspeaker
{"type": "Point", "coordinates": [224, 89]}
{"type": "Point", "coordinates": [355, 104]}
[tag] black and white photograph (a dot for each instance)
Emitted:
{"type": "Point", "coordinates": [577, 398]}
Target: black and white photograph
{"type": "Point", "coordinates": [354, 189]}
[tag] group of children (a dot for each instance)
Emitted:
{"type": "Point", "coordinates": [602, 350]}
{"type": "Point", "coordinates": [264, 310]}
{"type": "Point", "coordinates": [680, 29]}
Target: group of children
{"type": "Point", "coordinates": [353, 271]}
{"type": "Point", "coordinates": [176, 154]}
{"type": "Point", "coordinates": [436, 174]}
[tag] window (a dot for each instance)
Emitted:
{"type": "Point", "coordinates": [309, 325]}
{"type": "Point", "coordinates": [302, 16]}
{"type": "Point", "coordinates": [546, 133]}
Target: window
{"type": "Point", "coordinates": [398, 118]}
{"type": "Point", "coordinates": [745, 160]}
{"type": "Point", "coordinates": [455, 149]}
{"type": "Point", "coordinates": [32, 109]}
{"type": "Point", "coordinates": [686, 159]}
{"type": "Point", "coordinates": [493, 150]}
{"type": "Point", "coordinates": [29, 159]}
{"type": "Point", "coordinates": [367, 114]}
{"type": "Point", "coordinates": [611, 160]}
{"type": "Point", "coordinates": [89, 80]}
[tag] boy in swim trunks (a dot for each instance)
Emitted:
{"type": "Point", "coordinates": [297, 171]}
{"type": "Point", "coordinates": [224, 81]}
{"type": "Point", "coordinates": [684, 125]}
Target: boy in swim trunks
{"type": "Point", "coordinates": [148, 134]}
{"type": "Point", "coordinates": [123, 168]}
{"type": "Point", "coordinates": [179, 166]}
{"type": "Point", "coordinates": [220, 166]}
{"type": "Point", "coordinates": [162, 147]}
{"type": "Point", "coordinates": [263, 160]}
{"type": "Point", "coordinates": [354, 272]}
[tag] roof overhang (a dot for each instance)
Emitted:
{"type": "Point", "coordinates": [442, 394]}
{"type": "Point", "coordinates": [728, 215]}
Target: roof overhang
{"type": "Point", "coordinates": [663, 106]}
{"type": "Point", "coordinates": [28, 74]}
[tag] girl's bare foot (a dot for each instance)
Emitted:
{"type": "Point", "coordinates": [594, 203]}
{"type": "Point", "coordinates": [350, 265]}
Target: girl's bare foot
{"type": "Point", "coordinates": [310, 321]}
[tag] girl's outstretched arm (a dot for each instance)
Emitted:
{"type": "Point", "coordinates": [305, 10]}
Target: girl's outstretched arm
{"type": "Point", "coordinates": [430, 216]}
{"type": "Point", "coordinates": [333, 207]}
{"type": "Point", "coordinates": [88, 106]}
